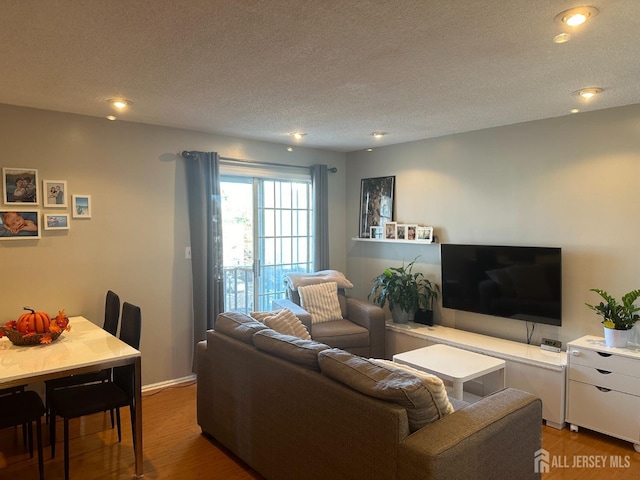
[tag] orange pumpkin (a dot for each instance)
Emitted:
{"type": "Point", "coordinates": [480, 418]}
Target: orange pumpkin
{"type": "Point", "coordinates": [33, 321]}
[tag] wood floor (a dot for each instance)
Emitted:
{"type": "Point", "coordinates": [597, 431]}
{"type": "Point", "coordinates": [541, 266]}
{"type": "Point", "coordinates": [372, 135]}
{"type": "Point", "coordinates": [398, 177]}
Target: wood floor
{"type": "Point", "coordinates": [174, 448]}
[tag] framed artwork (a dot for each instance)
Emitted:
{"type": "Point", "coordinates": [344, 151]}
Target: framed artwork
{"type": "Point", "coordinates": [376, 203]}
{"type": "Point", "coordinates": [377, 232]}
{"type": "Point", "coordinates": [56, 221]}
{"type": "Point", "coordinates": [20, 186]}
{"type": "Point", "coordinates": [19, 225]}
{"type": "Point", "coordinates": [390, 230]}
{"type": "Point", "coordinates": [401, 232]}
{"type": "Point", "coordinates": [424, 234]}
{"type": "Point", "coordinates": [411, 232]}
{"type": "Point", "coordinates": [81, 206]}
{"type": "Point", "coordinates": [54, 193]}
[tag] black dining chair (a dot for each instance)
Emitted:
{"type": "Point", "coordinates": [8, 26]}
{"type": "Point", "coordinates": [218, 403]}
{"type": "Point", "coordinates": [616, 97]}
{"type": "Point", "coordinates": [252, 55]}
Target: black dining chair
{"type": "Point", "coordinates": [23, 407]}
{"type": "Point", "coordinates": [111, 320]}
{"type": "Point", "coordinates": [81, 400]}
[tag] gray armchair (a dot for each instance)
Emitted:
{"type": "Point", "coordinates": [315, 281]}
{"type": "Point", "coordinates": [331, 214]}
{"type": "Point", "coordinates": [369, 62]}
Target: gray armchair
{"type": "Point", "coordinates": [361, 331]}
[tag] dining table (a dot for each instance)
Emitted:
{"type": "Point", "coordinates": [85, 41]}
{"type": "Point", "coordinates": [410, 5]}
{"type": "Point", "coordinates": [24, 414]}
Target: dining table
{"type": "Point", "coordinates": [84, 348]}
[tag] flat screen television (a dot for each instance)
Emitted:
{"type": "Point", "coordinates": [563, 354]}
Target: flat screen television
{"type": "Point", "coordinates": [521, 283]}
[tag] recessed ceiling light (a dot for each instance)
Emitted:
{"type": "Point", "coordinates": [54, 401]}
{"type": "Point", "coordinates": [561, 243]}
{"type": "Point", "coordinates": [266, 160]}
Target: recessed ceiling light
{"type": "Point", "coordinates": [119, 103]}
{"type": "Point", "coordinates": [289, 149]}
{"type": "Point", "coordinates": [378, 134]}
{"type": "Point", "coordinates": [369, 149]}
{"type": "Point", "coordinates": [111, 117]}
{"type": "Point", "coordinates": [588, 93]}
{"type": "Point", "coordinates": [574, 110]}
{"type": "Point", "coordinates": [576, 16]}
{"type": "Point", "coordinates": [297, 135]}
{"type": "Point", "coordinates": [562, 38]}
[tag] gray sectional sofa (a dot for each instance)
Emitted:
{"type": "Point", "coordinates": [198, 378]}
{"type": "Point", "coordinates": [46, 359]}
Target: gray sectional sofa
{"type": "Point", "coordinates": [265, 397]}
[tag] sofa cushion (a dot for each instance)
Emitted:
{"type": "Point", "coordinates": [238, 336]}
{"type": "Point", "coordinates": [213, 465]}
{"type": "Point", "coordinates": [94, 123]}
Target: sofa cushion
{"type": "Point", "coordinates": [293, 349]}
{"type": "Point", "coordinates": [341, 334]}
{"type": "Point", "coordinates": [432, 383]}
{"type": "Point", "coordinates": [238, 326]}
{"type": "Point", "coordinates": [283, 321]}
{"type": "Point", "coordinates": [371, 379]}
{"type": "Point", "coordinates": [321, 301]}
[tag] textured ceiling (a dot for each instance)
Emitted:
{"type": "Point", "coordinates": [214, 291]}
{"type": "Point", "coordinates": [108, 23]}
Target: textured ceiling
{"type": "Point", "coordinates": [337, 70]}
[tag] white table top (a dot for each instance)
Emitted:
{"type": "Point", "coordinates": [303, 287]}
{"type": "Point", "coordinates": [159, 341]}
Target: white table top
{"type": "Point", "coordinates": [85, 346]}
{"type": "Point", "coordinates": [450, 363]}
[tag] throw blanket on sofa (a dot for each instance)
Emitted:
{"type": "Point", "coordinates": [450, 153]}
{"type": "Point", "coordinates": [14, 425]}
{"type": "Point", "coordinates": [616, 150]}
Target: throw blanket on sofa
{"type": "Point", "coordinates": [295, 280]}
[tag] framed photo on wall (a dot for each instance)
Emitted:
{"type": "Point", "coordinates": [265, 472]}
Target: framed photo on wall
{"type": "Point", "coordinates": [376, 203]}
{"type": "Point", "coordinates": [19, 224]}
{"type": "Point", "coordinates": [20, 186]}
{"type": "Point", "coordinates": [401, 232]}
{"type": "Point", "coordinates": [54, 193]}
{"type": "Point", "coordinates": [411, 232]}
{"type": "Point", "coordinates": [377, 232]}
{"type": "Point", "coordinates": [56, 221]}
{"type": "Point", "coordinates": [81, 206]}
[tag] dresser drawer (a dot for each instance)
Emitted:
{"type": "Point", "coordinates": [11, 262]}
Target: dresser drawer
{"type": "Point", "coordinates": [604, 361]}
{"type": "Point", "coordinates": [603, 378]}
{"type": "Point", "coordinates": [609, 412]}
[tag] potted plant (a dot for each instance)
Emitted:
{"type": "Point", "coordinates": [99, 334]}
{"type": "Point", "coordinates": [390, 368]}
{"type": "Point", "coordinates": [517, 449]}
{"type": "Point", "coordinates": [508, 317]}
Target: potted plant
{"type": "Point", "coordinates": [404, 291]}
{"type": "Point", "coordinates": [617, 318]}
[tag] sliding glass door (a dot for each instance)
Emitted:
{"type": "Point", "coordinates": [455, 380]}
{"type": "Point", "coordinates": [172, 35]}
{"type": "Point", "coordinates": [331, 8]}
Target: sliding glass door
{"type": "Point", "coordinates": [267, 232]}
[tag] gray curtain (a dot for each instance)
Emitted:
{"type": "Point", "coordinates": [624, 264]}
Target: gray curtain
{"type": "Point", "coordinates": [205, 225]}
{"type": "Point", "coordinates": [320, 181]}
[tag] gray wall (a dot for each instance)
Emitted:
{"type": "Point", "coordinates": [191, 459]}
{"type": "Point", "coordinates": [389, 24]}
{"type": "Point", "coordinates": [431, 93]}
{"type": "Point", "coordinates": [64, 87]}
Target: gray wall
{"type": "Point", "coordinates": [134, 243]}
{"type": "Point", "coordinates": [570, 182]}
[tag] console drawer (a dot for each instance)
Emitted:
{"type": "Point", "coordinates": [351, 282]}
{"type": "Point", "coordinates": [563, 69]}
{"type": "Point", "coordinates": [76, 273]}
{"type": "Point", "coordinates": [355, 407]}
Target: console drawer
{"type": "Point", "coordinates": [604, 361]}
{"type": "Point", "coordinates": [603, 378]}
{"type": "Point", "coordinates": [609, 412]}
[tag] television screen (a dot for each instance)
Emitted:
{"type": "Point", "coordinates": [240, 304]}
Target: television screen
{"type": "Point", "coordinates": [521, 283]}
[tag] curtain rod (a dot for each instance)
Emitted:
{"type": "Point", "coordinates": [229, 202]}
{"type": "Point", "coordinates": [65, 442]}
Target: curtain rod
{"type": "Point", "coordinates": [272, 164]}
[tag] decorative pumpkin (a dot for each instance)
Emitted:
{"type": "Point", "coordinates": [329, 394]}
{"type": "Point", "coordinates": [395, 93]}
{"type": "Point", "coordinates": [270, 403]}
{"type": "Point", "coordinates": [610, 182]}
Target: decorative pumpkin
{"type": "Point", "coordinates": [33, 321]}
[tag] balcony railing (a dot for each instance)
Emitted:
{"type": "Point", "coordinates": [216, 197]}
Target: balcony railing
{"type": "Point", "coordinates": [238, 289]}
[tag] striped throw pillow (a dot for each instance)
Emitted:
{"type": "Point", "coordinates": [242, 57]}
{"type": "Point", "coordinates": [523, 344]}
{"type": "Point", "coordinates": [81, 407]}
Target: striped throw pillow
{"type": "Point", "coordinates": [321, 301]}
{"type": "Point", "coordinates": [283, 321]}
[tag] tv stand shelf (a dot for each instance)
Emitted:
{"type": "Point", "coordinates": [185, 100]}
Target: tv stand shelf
{"type": "Point", "coordinates": [528, 367]}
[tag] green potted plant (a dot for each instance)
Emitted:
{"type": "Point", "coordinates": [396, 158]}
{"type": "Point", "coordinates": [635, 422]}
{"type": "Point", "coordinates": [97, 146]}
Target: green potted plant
{"type": "Point", "coordinates": [617, 318]}
{"type": "Point", "coordinates": [405, 292]}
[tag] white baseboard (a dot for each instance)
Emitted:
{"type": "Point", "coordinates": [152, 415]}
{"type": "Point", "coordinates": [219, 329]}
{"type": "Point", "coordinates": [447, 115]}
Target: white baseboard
{"type": "Point", "coordinates": [168, 383]}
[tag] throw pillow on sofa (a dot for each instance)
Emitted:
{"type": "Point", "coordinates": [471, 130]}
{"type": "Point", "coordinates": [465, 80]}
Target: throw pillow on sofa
{"type": "Point", "coordinates": [321, 301]}
{"type": "Point", "coordinates": [369, 378]}
{"type": "Point", "coordinates": [283, 321]}
{"type": "Point", "coordinates": [432, 383]}
{"type": "Point", "coordinates": [238, 325]}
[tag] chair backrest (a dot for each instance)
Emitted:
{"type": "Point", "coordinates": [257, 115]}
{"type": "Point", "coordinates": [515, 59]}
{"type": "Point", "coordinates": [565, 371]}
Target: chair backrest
{"type": "Point", "coordinates": [131, 325]}
{"type": "Point", "coordinates": [130, 330]}
{"type": "Point", "coordinates": [111, 313]}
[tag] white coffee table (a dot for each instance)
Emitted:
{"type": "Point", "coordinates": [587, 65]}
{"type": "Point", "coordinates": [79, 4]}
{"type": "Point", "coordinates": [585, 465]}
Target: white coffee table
{"type": "Point", "coordinates": [452, 364]}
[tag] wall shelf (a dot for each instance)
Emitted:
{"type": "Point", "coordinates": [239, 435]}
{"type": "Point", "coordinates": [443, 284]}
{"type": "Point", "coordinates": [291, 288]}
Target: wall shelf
{"type": "Point", "coordinates": [384, 240]}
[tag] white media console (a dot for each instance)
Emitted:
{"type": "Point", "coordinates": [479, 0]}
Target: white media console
{"type": "Point", "coordinates": [528, 367]}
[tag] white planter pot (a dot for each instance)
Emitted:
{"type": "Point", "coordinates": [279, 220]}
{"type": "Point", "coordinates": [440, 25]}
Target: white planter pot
{"type": "Point", "coordinates": [616, 338]}
{"type": "Point", "coordinates": [400, 316]}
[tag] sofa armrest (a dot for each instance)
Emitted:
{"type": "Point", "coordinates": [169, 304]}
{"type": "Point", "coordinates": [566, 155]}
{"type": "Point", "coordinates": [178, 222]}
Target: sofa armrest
{"type": "Point", "coordinates": [301, 313]}
{"type": "Point", "coordinates": [370, 317]}
{"type": "Point", "coordinates": [496, 437]}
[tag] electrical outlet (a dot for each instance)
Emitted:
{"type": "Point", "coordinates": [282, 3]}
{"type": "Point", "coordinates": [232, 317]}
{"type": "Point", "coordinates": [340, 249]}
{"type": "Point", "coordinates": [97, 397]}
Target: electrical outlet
{"type": "Point", "coordinates": [187, 252]}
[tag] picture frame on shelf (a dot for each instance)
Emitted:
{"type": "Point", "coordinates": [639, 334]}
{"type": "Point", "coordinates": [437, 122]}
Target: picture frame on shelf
{"type": "Point", "coordinates": [401, 231]}
{"type": "Point", "coordinates": [19, 224]}
{"type": "Point", "coordinates": [81, 205]}
{"type": "Point", "coordinates": [390, 230]}
{"type": "Point", "coordinates": [377, 232]}
{"type": "Point", "coordinates": [56, 221]}
{"type": "Point", "coordinates": [54, 193]}
{"type": "Point", "coordinates": [424, 234]}
{"type": "Point", "coordinates": [411, 232]}
{"type": "Point", "coordinates": [376, 203]}
{"type": "Point", "coordinates": [20, 186]}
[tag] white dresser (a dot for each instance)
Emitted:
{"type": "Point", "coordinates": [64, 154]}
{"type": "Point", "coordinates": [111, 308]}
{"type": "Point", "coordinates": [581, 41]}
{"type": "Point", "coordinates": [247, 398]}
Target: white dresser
{"type": "Point", "coordinates": [603, 388]}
